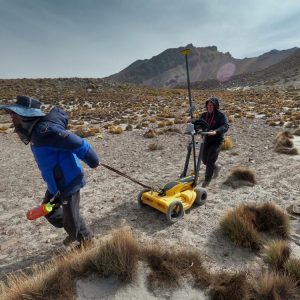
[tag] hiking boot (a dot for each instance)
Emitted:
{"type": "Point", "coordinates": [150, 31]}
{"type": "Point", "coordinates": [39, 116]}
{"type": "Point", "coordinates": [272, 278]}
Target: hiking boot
{"type": "Point", "coordinates": [84, 244]}
{"type": "Point", "coordinates": [68, 241]}
{"type": "Point", "coordinates": [216, 171]}
{"type": "Point", "coordinates": [87, 242]}
{"type": "Point", "coordinates": [205, 183]}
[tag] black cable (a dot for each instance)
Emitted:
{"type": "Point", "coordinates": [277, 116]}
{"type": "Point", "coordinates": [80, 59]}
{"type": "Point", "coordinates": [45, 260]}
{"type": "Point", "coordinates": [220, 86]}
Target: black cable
{"type": "Point", "coordinates": [126, 176]}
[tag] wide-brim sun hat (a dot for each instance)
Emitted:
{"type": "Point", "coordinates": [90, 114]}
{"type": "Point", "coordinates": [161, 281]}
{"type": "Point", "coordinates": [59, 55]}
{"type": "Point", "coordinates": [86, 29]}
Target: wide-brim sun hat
{"type": "Point", "coordinates": [25, 106]}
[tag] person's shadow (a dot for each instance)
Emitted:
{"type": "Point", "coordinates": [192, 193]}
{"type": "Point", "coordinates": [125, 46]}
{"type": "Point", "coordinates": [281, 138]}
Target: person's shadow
{"type": "Point", "coordinates": [142, 218]}
{"type": "Point", "coordinates": [24, 266]}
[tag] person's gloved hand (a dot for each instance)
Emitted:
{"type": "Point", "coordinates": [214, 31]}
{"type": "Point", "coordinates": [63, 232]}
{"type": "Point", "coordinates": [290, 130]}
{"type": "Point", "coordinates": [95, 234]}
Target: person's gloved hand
{"type": "Point", "coordinates": [200, 124]}
{"type": "Point", "coordinates": [99, 164]}
{"type": "Point", "coordinates": [48, 197]}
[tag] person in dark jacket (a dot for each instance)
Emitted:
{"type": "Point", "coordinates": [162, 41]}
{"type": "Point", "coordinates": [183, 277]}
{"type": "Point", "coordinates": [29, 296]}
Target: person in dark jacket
{"type": "Point", "coordinates": [217, 126]}
{"type": "Point", "coordinates": [58, 153]}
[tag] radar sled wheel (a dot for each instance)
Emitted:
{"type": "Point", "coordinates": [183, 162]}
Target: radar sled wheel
{"type": "Point", "coordinates": [201, 196]}
{"type": "Point", "coordinates": [175, 211]}
{"type": "Point", "coordinates": [139, 198]}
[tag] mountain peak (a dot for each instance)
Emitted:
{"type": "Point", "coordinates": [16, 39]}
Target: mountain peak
{"type": "Point", "coordinates": [167, 69]}
{"type": "Point", "coordinates": [213, 48]}
{"type": "Point", "coordinates": [189, 46]}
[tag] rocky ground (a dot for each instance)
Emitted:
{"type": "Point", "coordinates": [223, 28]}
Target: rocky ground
{"type": "Point", "coordinates": [109, 201]}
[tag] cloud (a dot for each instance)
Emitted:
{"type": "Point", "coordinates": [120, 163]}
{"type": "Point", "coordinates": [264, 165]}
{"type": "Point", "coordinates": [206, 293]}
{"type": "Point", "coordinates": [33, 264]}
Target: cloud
{"type": "Point", "coordinates": [96, 38]}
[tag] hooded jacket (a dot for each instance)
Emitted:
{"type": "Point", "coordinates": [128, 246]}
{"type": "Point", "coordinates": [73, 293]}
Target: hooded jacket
{"type": "Point", "coordinates": [57, 153]}
{"type": "Point", "coordinates": [216, 121]}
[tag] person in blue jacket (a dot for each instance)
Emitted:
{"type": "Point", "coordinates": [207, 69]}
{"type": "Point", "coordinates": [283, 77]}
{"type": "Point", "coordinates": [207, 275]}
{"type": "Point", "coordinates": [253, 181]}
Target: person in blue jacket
{"type": "Point", "coordinates": [217, 127]}
{"type": "Point", "coordinates": [57, 152]}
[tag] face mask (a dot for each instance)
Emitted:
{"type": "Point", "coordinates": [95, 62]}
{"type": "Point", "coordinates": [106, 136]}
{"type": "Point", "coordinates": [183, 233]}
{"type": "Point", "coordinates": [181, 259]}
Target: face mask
{"type": "Point", "coordinates": [23, 127]}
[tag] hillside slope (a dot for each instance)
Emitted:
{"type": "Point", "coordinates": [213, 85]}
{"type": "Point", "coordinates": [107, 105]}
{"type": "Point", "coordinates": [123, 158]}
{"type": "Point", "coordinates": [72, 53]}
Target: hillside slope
{"type": "Point", "coordinates": [167, 69]}
{"type": "Point", "coordinates": [284, 74]}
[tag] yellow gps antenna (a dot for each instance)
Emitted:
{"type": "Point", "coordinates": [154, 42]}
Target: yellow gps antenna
{"type": "Point", "coordinates": [185, 51]}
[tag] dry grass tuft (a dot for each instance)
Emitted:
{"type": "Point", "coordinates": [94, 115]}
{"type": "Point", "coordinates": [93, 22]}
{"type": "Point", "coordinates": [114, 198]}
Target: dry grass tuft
{"type": "Point", "coordinates": [241, 176]}
{"type": "Point", "coordinates": [169, 267]}
{"type": "Point", "coordinates": [230, 286]}
{"type": "Point", "coordinates": [250, 116]}
{"type": "Point", "coordinates": [161, 124]}
{"type": "Point", "coordinates": [240, 230]}
{"type": "Point", "coordinates": [129, 127]}
{"type": "Point", "coordinates": [118, 256]}
{"type": "Point", "coordinates": [115, 129]}
{"type": "Point", "coordinates": [276, 286]}
{"type": "Point", "coordinates": [271, 123]}
{"type": "Point", "coordinates": [171, 130]}
{"type": "Point", "coordinates": [284, 144]}
{"type": "Point", "coordinates": [231, 119]}
{"type": "Point", "coordinates": [151, 133]}
{"type": "Point", "coordinates": [154, 147]}
{"type": "Point", "coordinates": [190, 263]}
{"type": "Point", "coordinates": [56, 280]}
{"type": "Point", "coordinates": [53, 281]}
{"type": "Point", "coordinates": [243, 224]}
{"type": "Point", "coordinates": [139, 126]}
{"type": "Point", "coordinates": [152, 119]}
{"type": "Point", "coordinates": [286, 150]}
{"type": "Point", "coordinates": [4, 128]}
{"type": "Point", "coordinates": [283, 138]}
{"type": "Point", "coordinates": [85, 132]}
{"type": "Point", "coordinates": [180, 120]}
{"type": "Point", "coordinates": [272, 218]}
{"type": "Point", "coordinates": [227, 144]}
{"type": "Point", "coordinates": [292, 269]}
{"type": "Point", "coordinates": [170, 123]}
{"type": "Point", "coordinates": [162, 274]}
{"type": "Point", "coordinates": [276, 254]}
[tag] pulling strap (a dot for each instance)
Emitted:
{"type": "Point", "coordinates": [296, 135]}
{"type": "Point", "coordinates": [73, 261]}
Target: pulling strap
{"type": "Point", "coordinates": [126, 176]}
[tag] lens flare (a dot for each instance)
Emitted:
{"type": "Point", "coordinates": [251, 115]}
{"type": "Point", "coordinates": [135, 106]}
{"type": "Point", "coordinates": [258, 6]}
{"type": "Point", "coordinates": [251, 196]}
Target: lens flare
{"type": "Point", "coordinates": [226, 72]}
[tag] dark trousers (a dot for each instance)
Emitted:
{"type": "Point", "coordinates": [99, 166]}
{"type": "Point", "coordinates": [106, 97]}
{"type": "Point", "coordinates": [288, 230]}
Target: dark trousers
{"type": "Point", "coordinates": [66, 215]}
{"type": "Point", "coordinates": [210, 155]}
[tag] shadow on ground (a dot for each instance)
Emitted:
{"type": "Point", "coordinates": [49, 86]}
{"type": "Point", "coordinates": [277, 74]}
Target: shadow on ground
{"type": "Point", "coordinates": [144, 219]}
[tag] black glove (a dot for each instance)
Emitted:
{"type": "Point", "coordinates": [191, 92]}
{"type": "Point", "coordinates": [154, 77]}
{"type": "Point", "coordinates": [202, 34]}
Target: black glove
{"type": "Point", "coordinates": [49, 197]}
{"type": "Point", "coordinates": [200, 124]}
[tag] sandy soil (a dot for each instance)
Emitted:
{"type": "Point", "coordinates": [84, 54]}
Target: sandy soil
{"type": "Point", "coordinates": [93, 288]}
{"type": "Point", "coordinates": [109, 201]}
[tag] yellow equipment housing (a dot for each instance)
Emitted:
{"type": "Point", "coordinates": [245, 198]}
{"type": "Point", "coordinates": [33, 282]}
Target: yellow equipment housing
{"type": "Point", "coordinates": [176, 197]}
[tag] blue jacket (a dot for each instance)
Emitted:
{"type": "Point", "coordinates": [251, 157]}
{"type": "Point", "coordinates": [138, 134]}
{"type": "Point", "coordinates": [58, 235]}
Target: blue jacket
{"type": "Point", "coordinates": [57, 153]}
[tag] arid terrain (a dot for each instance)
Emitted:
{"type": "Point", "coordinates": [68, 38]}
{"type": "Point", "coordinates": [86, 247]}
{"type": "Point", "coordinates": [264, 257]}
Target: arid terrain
{"type": "Point", "coordinates": [110, 201]}
{"type": "Point", "coordinates": [211, 68]}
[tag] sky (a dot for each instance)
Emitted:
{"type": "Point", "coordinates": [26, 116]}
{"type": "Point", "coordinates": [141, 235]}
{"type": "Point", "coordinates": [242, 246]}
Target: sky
{"type": "Point", "coordinates": [97, 38]}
